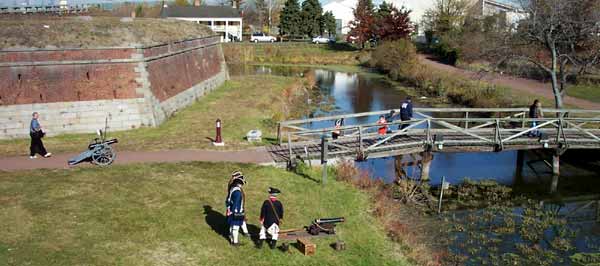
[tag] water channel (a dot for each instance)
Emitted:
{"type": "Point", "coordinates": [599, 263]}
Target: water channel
{"type": "Point", "coordinates": [365, 91]}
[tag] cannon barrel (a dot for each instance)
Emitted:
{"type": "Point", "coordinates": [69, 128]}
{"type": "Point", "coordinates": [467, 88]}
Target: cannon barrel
{"type": "Point", "coordinates": [111, 141]}
{"type": "Point", "coordinates": [330, 220]}
{"type": "Point", "coordinates": [106, 142]}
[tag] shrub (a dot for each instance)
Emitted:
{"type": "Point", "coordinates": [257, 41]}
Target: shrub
{"type": "Point", "coordinates": [394, 56]}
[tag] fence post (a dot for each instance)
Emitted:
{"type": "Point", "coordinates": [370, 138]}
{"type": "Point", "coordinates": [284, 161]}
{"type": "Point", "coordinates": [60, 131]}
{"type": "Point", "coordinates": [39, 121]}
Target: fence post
{"type": "Point", "coordinates": [279, 140]}
{"type": "Point", "coordinates": [360, 141]}
{"type": "Point", "coordinates": [290, 146]}
{"type": "Point", "coordinates": [467, 120]}
{"type": "Point", "coordinates": [523, 120]}
{"type": "Point", "coordinates": [324, 150]}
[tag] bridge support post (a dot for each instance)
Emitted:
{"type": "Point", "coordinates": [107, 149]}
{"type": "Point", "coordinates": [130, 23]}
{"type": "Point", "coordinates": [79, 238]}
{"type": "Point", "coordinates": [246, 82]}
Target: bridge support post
{"type": "Point", "coordinates": [555, 172]}
{"type": "Point", "coordinates": [426, 158]}
{"type": "Point", "coordinates": [520, 164]}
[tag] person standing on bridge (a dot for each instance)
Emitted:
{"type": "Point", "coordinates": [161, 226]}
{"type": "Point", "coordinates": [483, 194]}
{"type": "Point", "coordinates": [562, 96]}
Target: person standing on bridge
{"type": "Point", "coordinates": [382, 130]}
{"type": "Point", "coordinates": [535, 112]}
{"type": "Point", "coordinates": [36, 132]}
{"type": "Point", "coordinates": [406, 112]}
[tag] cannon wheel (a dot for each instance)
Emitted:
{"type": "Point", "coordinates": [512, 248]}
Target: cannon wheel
{"type": "Point", "coordinates": [104, 156]}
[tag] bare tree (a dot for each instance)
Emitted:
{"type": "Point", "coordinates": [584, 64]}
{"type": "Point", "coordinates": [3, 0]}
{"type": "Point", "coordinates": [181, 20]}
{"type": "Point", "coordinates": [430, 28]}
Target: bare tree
{"type": "Point", "coordinates": [561, 37]}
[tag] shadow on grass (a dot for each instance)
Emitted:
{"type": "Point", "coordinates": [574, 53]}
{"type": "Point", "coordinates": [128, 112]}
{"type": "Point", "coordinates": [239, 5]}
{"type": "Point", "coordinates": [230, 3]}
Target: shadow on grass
{"type": "Point", "coordinates": [218, 223]}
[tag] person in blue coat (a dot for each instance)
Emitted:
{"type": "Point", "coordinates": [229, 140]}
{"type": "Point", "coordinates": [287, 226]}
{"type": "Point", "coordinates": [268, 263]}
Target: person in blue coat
{"type": "Point", "coordinates": [235, 209]}
{"type": "Point", "coordinates": [235, 175]}
{"type": "Point", "coordinates": [406, 111]}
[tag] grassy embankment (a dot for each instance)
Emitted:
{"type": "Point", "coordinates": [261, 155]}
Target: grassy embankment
{"type": "Point", "coordinates": [171, 214]}
{"type": "Point", "coordinates": [341, 57]}
{"type": "Point", "coordinates": [292, 54]}
{"type": "Point", "coordinates": [243, 104]}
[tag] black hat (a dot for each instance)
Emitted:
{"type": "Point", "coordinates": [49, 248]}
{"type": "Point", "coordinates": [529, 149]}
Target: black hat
{"type": "Point", "coordinates": [274, 191]}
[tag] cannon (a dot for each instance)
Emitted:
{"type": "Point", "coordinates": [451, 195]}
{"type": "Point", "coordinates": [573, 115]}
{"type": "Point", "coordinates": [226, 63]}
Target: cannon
{"type": "Point", "coordinates": [99, 151]}
{"type": "Point", "coordinates": [324, 225]}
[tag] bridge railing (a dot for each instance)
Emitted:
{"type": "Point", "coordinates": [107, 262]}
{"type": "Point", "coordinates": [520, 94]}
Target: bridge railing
{"type": "Point", "coordinates": [561, 130]}
{"type": "Point", "coordinates": [472, 118]}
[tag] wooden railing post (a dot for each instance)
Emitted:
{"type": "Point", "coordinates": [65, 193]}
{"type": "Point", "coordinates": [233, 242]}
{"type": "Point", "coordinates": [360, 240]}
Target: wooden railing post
{"type": "Point", "coordinates": [523, 120]}
{"type": "Point", "coordinates": [360, 141]}
{"type": "Point", "coordinates": [290, 145]}
{"type": "Point", "coordinates": [279, 140]}
{"type": "Point", "coordinates": [467, 120]}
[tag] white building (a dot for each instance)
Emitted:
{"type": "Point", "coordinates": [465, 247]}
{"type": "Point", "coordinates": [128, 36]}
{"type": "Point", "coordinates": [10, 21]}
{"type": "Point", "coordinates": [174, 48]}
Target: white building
{"type": "Point", "coordinates": [223, 20]}
{"type": "Point", "coordinates": [343, 12]}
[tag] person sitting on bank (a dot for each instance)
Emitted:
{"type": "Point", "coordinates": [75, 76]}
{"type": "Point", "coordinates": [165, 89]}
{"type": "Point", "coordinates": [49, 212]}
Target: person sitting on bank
{"type": "Point", "coordinates": [36, 132]}
{"type": "Point", "coordinates": [406, 112]}
{"type": "Point", "coordinates": [535, 112]}
{"type": "Point", "coordinates": [271, 215]}
{"type": "Point", "coordinates": [235, 209]}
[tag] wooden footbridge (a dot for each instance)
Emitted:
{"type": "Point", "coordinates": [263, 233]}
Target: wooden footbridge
{"type": "Point", "coordinates": [438, 130]}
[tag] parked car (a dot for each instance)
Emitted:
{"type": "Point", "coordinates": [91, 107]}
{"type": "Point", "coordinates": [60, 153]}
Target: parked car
{"type": "Point", "coordinates": [261, 37]}
{"type": "Point", "coordinates": [320, 39]}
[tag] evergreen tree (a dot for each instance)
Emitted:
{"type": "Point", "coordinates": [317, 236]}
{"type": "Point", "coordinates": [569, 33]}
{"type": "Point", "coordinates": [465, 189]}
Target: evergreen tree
{"type": "Point", "coordinates": [363, 26]}
{"type": "Point", "coordinates": [290, 18]}
{"type": "Point", "coordinates": [312, 23]}
{"type": "Point", "coordinates": [384, 10]}
{"type": "Point", "coordinates": [329, 23]}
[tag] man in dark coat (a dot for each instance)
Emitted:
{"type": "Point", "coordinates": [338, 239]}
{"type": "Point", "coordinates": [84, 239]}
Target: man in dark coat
{"type": "Point", "coordinates": [406, 111]}
{"type": "Point", "coordinates": [271, 215]}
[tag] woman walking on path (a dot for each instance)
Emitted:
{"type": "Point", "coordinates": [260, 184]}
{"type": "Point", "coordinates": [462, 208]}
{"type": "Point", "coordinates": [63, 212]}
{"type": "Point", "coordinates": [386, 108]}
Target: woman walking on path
{"type": "Point", "coordinates": [37, 133]}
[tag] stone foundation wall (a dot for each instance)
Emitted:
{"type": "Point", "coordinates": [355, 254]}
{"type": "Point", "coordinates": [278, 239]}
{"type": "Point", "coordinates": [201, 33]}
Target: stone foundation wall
{"type": "Point", "coordinates": [76, 90]}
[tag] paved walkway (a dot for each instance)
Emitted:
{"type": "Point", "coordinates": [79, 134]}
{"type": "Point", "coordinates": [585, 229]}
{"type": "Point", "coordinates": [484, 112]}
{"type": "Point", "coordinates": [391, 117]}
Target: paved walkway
{"type": "Point", "coordinates": [518, 84]}
{"type": "Point", "coordinates": [59, 161]}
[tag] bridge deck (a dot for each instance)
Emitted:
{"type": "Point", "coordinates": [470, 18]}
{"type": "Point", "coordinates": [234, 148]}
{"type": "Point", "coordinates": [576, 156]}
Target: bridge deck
{"type": "Point", "coordinates": [440, 135]}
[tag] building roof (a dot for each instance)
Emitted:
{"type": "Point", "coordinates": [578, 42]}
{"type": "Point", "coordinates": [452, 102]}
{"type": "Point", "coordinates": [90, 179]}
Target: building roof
{"type": "Point", "coordinates": [200, 12]}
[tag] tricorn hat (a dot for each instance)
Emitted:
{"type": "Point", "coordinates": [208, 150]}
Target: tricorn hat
{"type": "Point", "coordinates": [274, 191]}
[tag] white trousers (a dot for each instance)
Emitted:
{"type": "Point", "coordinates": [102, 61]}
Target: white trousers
{"type": "Point", "coordinates": [234, 232]}
{"type": "Point", "coordinates": [273, 231]}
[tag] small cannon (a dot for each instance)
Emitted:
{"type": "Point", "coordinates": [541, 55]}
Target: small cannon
{"type": "Point", "coordinates": [324, 225]}
{"type": "Point", "coordinates": [99, 151]}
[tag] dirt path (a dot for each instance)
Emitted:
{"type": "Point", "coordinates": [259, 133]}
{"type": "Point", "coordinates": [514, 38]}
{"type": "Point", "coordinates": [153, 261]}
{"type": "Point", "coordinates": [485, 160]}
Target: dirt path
{"type": "Point", "coordinates": [59, 161]}
{"type": "Point", "coordinates": [518, 84]}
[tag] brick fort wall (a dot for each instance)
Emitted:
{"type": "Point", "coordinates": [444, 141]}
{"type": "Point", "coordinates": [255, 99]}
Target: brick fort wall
{"type": "Point", "coordinates": [75, 90]}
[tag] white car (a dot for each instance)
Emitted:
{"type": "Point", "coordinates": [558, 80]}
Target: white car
{"type": "Point", "coordinates": [261, 37]}
{"type": "Point", "coordinates": [320, 39]}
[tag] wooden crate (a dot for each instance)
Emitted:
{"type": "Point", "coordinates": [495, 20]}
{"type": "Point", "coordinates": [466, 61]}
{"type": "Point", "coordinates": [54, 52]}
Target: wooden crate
{"type": "Point", "coordinates": [306, 247]}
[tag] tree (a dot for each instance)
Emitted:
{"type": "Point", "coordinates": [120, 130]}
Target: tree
{"type": "Point", "coordinates": [560, 37]}
{"type": "Point", "coordinates": [363, 26]}
{"type": "Point", "coordinates": [446, 16]}
{"type": "Point", "coordinates": [139, 11]}
{"type": "Point", "coordinates": [312, 23]}
{"type": "Point", "coordinates": [262, 12]}
{"type": "Point", "coordinates": [182, 2]}
{"type": "Point", "coordinates": [290, 18]}
{"type": "Point", "coordinates": [393, 23]}
{"type": "Point", "coordinates": [329, 24]}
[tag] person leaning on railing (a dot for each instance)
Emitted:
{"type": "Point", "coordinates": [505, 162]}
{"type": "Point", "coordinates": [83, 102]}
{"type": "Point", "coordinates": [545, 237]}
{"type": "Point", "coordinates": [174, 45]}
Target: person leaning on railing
{"type": "Point", "coordinates": [535, 112]}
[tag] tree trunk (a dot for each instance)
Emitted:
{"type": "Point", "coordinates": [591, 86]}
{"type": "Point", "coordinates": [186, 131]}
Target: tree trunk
{"type": "Point", "coordinates": [555, 85]}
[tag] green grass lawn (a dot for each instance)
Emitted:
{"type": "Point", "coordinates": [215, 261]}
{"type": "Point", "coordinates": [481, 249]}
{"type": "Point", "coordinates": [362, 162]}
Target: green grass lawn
{"type": "Point", "coordinates": [171, 214]}
{"type": "Point", "coordinates": [243, 103]}
{"type": "Point", "coordinates": [292, 53]}
{"type": "Point", "coordinates": [588, 92]}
